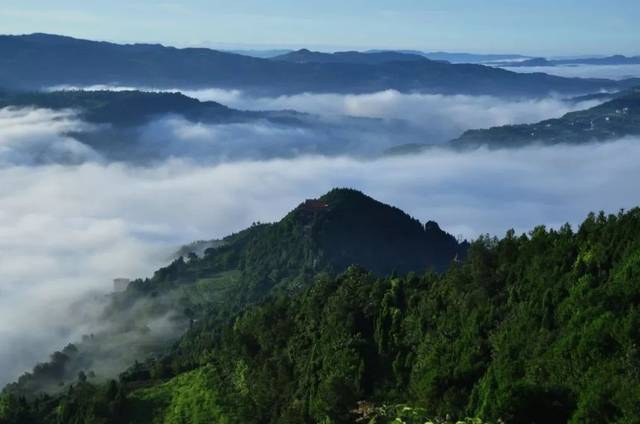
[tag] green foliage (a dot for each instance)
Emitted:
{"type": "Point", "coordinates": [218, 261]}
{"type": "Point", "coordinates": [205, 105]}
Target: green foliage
{"type": "Point", "coordinates": [186, 399]}
{"type": "Point", "coordinates": [15, 410]}
{"type": "Point", "coordinates": [541, 328]}
{"type": "Point", "coordinates": [402, 414]}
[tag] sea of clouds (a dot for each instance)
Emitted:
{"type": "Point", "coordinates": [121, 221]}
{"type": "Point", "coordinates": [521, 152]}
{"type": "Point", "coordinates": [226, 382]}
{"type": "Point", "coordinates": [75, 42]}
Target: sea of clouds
{"type": "Point", "coordinates": [71, 220]}
{"type": "Point", "coordinates": [404, 117]}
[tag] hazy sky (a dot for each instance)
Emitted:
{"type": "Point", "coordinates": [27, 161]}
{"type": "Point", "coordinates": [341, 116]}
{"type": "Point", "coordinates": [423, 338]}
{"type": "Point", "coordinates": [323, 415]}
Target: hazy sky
{"type": "Point", "coordinates": [549, 27]}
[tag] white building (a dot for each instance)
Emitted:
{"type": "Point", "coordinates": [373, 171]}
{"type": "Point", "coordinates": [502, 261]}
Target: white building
{"type": "Point", "coordinates": [120, 284]}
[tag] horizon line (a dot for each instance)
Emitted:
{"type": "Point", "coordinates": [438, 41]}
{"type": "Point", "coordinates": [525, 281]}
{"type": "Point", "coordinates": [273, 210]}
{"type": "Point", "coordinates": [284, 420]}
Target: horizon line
{"type": "Point", "coordinates": [324, 48]}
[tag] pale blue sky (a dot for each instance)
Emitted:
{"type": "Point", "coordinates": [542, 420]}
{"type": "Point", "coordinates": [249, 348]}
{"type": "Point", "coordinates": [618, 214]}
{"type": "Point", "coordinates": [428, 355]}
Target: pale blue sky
{"type": "Point", "coordinates": [538, 27]}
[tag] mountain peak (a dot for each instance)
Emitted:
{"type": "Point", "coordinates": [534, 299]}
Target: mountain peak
{"type": "Point", "coordinates": [432, 226]}
{"type": "Point", "coordinates": [346, 227]}
{"type": "Point", "coordinates": [43, 36]}
{"type": "Point", "coordinates": [344, 194]}
{"type": "Point", "coordinates": [353, 228]}
{"type": "Point", "coordinates": [351, 57]}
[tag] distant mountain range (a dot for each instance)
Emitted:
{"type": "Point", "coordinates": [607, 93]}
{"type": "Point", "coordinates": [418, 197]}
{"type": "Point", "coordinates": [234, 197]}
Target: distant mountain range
{"type": "Point", "coordinates": [617, 118]}
{"type": "Point", "coordinates": [262, 54]}
{"type": "Point", "coordinates": [614, 119]}
{"type": "Point", "coordinates": [126, 108]}
{"type": "Point", "coordinates": [438, 56]}
{"type": "Point", "coordinates": [120, 117]}
{"type": "Point", "coordinates": [40, 61]}
{"type": "Point", "coordinates": [368, 58]}
{"type": "Point", "coordinates": [136, 126]}
{"type": "Point", "coordinates": [468, 57]}
{"type": "Point", "coordinates": [540, 61]}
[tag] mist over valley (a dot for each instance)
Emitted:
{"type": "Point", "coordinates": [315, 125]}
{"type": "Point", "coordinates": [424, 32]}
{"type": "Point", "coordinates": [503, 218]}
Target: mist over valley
{"type": "Point", "coordinates": [291, 234]}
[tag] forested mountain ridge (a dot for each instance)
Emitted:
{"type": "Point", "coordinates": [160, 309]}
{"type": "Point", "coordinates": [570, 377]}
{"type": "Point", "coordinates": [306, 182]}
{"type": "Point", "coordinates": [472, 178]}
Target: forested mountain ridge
{"type": "Point", "coordinates": [341, 228]}
{"type": "Point", "coordinates": [614, 119]}
{"type": "Point", "coordinates": [144, 127]}
{"type": "Point", "coordinates": [322, 236]}
{"type": "Point", "coordinates": [540, 61]}
{"type": "Point", "coordinates": [38, 61]}
{"type": "Point", "coordinates": [132, 108]}
{"type": "Point", "coordinates": [372, 58]}
{"type": "Point", "coordinates": [536, 328]}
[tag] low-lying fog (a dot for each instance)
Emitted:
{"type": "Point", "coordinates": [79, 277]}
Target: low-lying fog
{"type": "Point", "coordinates": [615, 72]}
{"type": "Point", "coordinates": [68, 227]}
{"type": "Point", "coordinates": [426, 118]}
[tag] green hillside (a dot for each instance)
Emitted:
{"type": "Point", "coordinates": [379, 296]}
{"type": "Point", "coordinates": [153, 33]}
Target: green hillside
{"type": "Point", "coordinates": [537, 328]}
{"type": "Point", "coordinates": [614, 119]}
{"type": "Point", "coordinates": [323, 236]}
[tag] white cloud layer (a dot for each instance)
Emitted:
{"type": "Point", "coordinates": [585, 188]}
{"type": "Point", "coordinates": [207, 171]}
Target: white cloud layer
{"type": "Point", "coordinates": [615, 72]}
{"type": "Point", "coordinates": [70, 221]}
{"type": "Point", "coordinates": [36, 136]}
{"type": "Point", "coordinates": [437, 118]}
{"type": "Point", "coordinates": [177, 137]}
{"type": "Point", "coordinates": [452, 114]}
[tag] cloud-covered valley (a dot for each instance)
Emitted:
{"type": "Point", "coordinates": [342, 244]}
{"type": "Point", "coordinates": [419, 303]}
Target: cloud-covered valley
{"type": "Point", "coordinates": [444, 115]}
{"type": "Point", "coordinates": [66, 231]}
{"type": "Point", "coordinates": [399, 118]}
{"type": "Point", "coordinates": [76, 213]}
{"type": "Point", "coordinates": [36, 136]}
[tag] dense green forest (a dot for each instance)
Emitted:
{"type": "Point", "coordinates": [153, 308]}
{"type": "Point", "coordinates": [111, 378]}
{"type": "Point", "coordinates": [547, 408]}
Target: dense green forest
{"type": "Point", "coordinates": [327, 235]}
{"type": "Point", "coordinates": [542, 327]}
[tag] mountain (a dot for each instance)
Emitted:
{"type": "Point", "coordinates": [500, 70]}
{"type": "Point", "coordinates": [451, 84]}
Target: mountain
{"type": "Point", "coordinates": [133, 107]}
{"type": "Point", "coordinates": [472, 57]}
{"type": "Point", "coordinates": [458, 57]}
{"type": "Point", "coordinates": [40, 61]}
{"type": "Point", "coordinates": [608, 60]}
{"type": "Point", "coordinates": [342, 228]}
{"type": "Point", "coordinates": [323, 236]}
{"type": "Point", "coordinates": [538, 61]}
{"type": "Point", "coordinates": [367, 58]}
{"type": "Point", "coordinates": [262, 54]}
{"type": "Point", "coordinates": [125, 108]}
{"type": "Point", "coordinates": [143, 127]}
{"type": "Point", "coordinates": [123, 124]}
{"type": "Point", "coordinates": [614, 119]}
{"type": "Point", "coordinates": [534, 328]}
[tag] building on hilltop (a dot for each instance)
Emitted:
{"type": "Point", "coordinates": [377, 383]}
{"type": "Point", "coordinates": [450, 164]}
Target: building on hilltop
{"type": "Point", "coordinates": [120, 284]}
{"type": "Point", "coordinates": [314, 205]}
{"type": "Point", "coordinates": [310, 209]}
